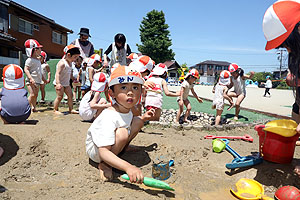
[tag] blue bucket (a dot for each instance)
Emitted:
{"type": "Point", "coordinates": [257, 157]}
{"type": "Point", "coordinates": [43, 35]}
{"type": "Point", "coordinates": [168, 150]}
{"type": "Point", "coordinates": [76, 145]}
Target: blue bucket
{"type": "Point", "coordinates": [161, 171]}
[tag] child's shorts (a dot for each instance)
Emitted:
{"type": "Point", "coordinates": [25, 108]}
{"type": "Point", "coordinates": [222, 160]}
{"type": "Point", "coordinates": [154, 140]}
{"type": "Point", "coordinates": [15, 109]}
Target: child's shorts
{"type": "Point", "coordinates": [93, 154]}
{"type": "Point", "coordinates": [219, 104]}
{"type": "Point", "coordinates": [15, 119]}
{"type": "Point", "coordinates": [85, 87]}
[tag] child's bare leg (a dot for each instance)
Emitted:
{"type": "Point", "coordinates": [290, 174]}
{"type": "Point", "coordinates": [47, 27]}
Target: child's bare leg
{"type": "Point", "coordinates": [68, 91]}
{"type": "Point", "coordinates": [79, 92]}
{"type": "Point", "coordinates": [218, 117]}
{"type": "Point", "coordinates": [188, 109]}
{"type": "Point", "coordinates": [4, 121]}
{"type": "Point", "coordinates": [179, 111]}
{"type": "Point", "coordinates": [43, 93]}
{"type": "Point", "coordinates": [229, 98]}
{"type": "Point", "coordinates": [238, 102]}
{"type": "Point", "coordinates": [33, 93]}
{"type": "Point", "coordinates": [59, 96]}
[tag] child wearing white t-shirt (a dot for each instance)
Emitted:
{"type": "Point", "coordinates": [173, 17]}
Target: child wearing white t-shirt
{"type": "Point", "coordinates": [33, 71]}
{"type": "Point", "coordinates": [92, 104]}
{"type": "Point", "coordinates": [186, 87]}
{"type": "Point", "coordinates": [115, 127]}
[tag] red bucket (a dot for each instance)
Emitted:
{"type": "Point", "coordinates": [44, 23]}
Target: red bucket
{"type": "Point", "coordinates": [274, 147]}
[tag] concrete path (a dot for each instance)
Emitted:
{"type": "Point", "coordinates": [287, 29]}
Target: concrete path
{"type": "Point", "coordinates": [280, 102]}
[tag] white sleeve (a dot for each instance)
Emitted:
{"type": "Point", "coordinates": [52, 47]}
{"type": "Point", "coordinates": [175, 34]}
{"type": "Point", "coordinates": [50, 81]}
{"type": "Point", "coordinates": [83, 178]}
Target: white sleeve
{"type": "Point", "coordinates": [103, 130]}
{"type": "Point", "coordinates": [28, 62]}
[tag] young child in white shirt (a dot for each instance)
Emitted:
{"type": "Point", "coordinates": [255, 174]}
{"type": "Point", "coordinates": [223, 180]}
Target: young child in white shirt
{"type": "Point", "coordinates": [115, 127]}
{"type": "Point", "coordinates": [186, 87]}
{"type": "Point", "coordinates": [33, 71]}
{"type": "Point", "coordinates": [92, 104]}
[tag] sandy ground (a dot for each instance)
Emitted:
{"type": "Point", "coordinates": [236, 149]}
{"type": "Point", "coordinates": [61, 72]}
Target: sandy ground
{"type": "Point", "coordinates": [47, 160]}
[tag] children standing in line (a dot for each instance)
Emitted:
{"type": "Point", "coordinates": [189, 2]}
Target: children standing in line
{"type": "Point", "coordinates": [63, 76]}
{"type": "Point", "coordinates": [221, 93]}
{"type": "Point", "coordinates": [268, 86]}
{"type": "Point", "coordinates": [154, 97]}
{"type": "Point", "coordinates": [115, 127]}
{"type": "Point", "coordinates": [14, 105]}
{"type": "Point", "coordinates": [76, 67]}
{"type": "Point", "coordinates": [186, 87]}
{"type": "Point", "coordinates": [45, 73]}
{"type": "Point", "coordinates": [33, 71]}
{"type": "Point", "coordinates": [239, 88]}
{"type": "Point", "coordinates": [92, 104]}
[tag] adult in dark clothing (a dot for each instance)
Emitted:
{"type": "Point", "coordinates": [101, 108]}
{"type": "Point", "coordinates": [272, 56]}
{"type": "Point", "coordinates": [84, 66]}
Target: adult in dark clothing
{"type": "Point", "coordinates": [85, 46]}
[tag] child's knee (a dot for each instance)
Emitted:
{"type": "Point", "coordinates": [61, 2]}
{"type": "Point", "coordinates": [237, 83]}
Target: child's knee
{"type": "Point", "coordinates": [122, 135]}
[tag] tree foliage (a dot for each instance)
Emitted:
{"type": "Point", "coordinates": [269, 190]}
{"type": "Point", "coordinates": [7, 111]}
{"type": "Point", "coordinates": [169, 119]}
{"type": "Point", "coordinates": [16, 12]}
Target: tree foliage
{"type": "Point", "coordinates": [155, 39]}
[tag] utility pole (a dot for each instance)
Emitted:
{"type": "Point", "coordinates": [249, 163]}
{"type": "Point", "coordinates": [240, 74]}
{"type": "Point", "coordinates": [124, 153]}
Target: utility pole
{"type": "Point", "coordinates": [280, 60]}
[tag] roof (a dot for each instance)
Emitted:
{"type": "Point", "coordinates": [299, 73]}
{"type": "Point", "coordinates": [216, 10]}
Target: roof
{"type": "Point", "coordinates": [51, 21]}
{"type": "Point", "coordinates": [7, 37]}
{"type": "Point", "coordinates": [172, 65]}
{"type": "Point", "coordinates": [213, 62]}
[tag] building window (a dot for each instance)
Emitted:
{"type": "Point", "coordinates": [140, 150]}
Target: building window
{"type": "Point", "coordinates": [3, 18]}
{"type": "Point", "coordinates": [172, 74]}
{"type": "Point", "coordinates": [25, 27]}
{"type": "Point", "coordinates": [210, 67]}
{"type": "Point", "coordinates": [59, 38]}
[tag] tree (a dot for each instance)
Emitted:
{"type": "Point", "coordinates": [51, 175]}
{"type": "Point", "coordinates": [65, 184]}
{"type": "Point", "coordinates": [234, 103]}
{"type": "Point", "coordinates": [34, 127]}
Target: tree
{"type": "Point", "coordinates": [155, 39]}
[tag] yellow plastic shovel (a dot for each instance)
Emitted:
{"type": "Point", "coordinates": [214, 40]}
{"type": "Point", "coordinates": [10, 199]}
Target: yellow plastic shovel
{"type": "Point", "coordinates": [283, 127]}
{"type": "Point", "coordinates": [249, 189]}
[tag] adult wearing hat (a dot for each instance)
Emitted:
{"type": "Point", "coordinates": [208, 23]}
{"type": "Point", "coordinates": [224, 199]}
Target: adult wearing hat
{"type": "Point", "coordinates": [85, 46]}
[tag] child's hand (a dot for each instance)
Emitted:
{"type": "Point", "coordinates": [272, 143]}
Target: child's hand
{"type": "Point", "coordinates": [135, 174]}
{"type": "Point", "coordinates": [32, 81]}
{"type": "Point", "coordinates": [148, 115]}
{"type": "Point", "coordinates": [48, 81]}
{"type": "Point", "coordinates": [298, 128]}
{"type": "Point", "coordinates": [200, 100]}
{"type": "Point", "coordinates": [149, 84]}
{"type": "Point", "coordinates": [58, 86]}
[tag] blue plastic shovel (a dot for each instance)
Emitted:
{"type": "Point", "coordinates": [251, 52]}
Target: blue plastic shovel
{"type": "Point", "coordinates": [241, 161]}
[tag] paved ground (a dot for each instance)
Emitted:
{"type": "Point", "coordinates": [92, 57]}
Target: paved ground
{"type": "Point", "coordinates": [279, 103]}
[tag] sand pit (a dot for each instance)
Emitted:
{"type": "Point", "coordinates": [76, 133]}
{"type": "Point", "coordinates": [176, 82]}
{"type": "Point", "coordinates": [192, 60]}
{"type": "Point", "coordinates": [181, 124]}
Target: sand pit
{"type": "Point", "coordinates": [47, 160]}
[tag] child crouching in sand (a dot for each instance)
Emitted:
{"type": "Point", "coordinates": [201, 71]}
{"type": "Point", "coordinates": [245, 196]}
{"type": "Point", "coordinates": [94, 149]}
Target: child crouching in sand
{"type": "Point", "coordinates": [115, 127]}
{"type": "Point", "coordinates": [92, 104]}
{"type": "Point", "coordinates": [221, 93]}
{"type": "Point", "coordinates": [14, 105]}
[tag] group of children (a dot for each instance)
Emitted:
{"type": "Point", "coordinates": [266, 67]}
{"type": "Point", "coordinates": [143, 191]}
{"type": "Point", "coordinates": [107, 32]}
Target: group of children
{"type": "Point", "coordinates": [117, 115]}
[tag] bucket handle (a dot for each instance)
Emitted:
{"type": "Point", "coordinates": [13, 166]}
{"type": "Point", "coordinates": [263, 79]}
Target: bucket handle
{"type": "Point", "coordinates": [262, 145]}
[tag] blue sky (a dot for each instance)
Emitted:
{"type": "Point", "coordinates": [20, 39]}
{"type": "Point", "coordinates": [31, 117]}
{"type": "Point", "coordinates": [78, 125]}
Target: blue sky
{"type": "Point", "coordinates": [223, 30]}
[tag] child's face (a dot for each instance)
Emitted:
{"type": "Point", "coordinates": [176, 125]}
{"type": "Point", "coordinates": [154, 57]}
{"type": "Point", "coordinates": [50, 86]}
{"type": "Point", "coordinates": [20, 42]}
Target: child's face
{"type": "Point", "coordinates": [78, 62]}
{"type": "Point", "coordinates": [96, 64]}
{"type": "Point", "coordinates": [235, 74]}
{"type": "Point", "coordinates": [73, 57]}
{"type": "Point", "coordinates": [127, 94]}
{"type": "Point", "coordinates": [37, 52]}
{"type": "Point", "coordinates": [191, 80]}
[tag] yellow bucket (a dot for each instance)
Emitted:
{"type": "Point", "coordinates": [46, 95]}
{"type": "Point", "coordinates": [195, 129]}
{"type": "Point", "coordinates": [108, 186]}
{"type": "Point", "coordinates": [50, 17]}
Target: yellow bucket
{"type": "Point", "coordinates": [283, 127]}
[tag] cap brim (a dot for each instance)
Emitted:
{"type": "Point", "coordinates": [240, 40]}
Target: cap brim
{"type": "Point", "coordinates": [272, 44]}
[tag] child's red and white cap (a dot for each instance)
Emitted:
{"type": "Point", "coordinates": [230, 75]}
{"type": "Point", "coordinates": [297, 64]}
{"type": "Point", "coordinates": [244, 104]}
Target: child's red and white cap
{"type": "Point", "coordinates": [115, 66]}
{"type": "Point", "coordinates": [44, 54]}
{"type": "Point", "coordinates": [30, 44]}
{"type": "Point", "coordinates": [125, 74]}
{"type": "Point", "coordinates": [193, 72]}
{"type": "Point", "coordinates": [133, 56]}
{"type": "Point", "coordinates": [279, 21]}
{"type": "Point", "coordinates": [159, 69]}
{"type": "Point", "coordinates": [224, 77]}
{"type": "Point", "coordinates": [13, 78]}
{"type": "Point", "coordinates": [99, 82]}
{"type": "Point", "coordinates": [143, 63]}
{"type": "Point", "coordinates": [233, 67]}
{"type": "Point", "coordinates": [67, 48]}
{"type": "Point", "coordinates": [96, 57]}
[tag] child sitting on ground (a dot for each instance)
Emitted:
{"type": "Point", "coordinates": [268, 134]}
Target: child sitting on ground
{"type": "Point", "coordinates": [186, 87]}
{"type": "Point", "coordinates": [62, 78]}
{"type": "Point", "coordinates": [221, 93]}
{"type": "Point", "coordinates": [92, 104]}
{"type": "Point", "coordinates": [115, 127]}
{"type": "Point", "coordinates": [45, 73]}
{"type": "Point", "coordinates": [33, 71]}
{"type": "Point", "coordinates": [239, 87]}
{"type": "Point", "coordinates": [14, 105]}
{"type": "Point", "coordinates": [154, 97]}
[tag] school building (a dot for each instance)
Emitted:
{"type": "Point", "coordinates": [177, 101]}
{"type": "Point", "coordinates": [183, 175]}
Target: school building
{"type": "Point", "coordinates": [18, 23]}
{"type": "Point", "coordinates": [209, 69]}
